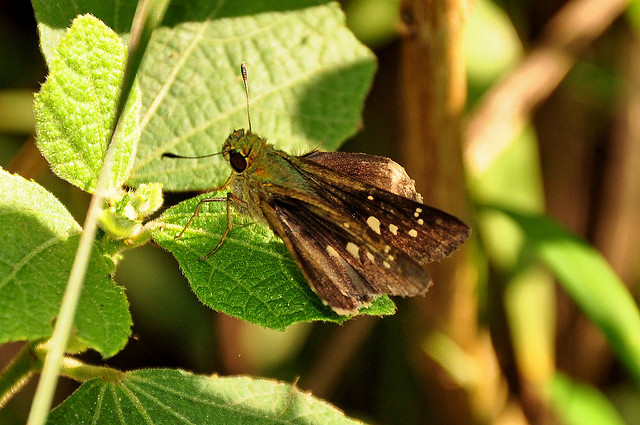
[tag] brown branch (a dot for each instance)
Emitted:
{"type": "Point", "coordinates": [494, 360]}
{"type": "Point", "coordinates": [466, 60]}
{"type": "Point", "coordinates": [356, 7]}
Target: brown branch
{"type": "Point", "coordinates": [502, 113]}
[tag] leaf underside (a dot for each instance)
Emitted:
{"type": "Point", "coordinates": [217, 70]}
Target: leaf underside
{"type": "Point", "coordinates": [162, 396]}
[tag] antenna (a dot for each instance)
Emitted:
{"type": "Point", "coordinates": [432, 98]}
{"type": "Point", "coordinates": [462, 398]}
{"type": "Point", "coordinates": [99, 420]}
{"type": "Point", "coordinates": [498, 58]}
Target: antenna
{"type": "Point", "coordinates": [173, 155]}
{"type": "Point", "coordinates": [245, 80]}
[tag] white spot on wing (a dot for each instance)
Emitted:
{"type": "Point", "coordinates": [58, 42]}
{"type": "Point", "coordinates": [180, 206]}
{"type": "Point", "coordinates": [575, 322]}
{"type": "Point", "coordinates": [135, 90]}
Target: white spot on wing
{"type": "Point", "coordinates": [413, 233]}
{"type": "Point", "coordinates": [420, 221]}
{"type": "Point", "coordinates": [370, 198]}
{"type": "Point", "coordinates": [353, 249]}
{"type": "Point", "coordinates": [332, 252]}
{"type": "Point", "coordinates": [386, 264]}
{"type": "Point", "coordinates": [393, 229]}
{"type": "Point", "coordinates": [374, 223]}
{"type": "Point", "coordinates": [370, 256]}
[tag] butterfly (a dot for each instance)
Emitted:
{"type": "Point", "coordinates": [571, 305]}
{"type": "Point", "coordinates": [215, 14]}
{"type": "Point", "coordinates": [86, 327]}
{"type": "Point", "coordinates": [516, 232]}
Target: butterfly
{"type": "Point", "coordinates": [353, 222]}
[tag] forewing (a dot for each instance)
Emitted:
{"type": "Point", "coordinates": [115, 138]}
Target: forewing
{"type": "Point", "coordinates": [425, 233]}
{"type": "Point", "coordinates": [384, 268]}
{"type": "Point", "coordinates": [378, 171]}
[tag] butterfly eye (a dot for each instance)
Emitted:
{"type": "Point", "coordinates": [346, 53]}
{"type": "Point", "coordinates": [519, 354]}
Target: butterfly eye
{"type": "Point", "coordinates": [238, 162]}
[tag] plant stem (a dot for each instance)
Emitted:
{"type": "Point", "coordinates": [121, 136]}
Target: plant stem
{"type": "Point", "coordinates": [30, 360]}
{"type": "Point", "coordinates": [148, 15]}
{"type": "Point", "coordinates": [82, 372]}
{"type": "Point", "coordinates": [18, 372]}
{"type": "Point", "coordinates": [49, 378]}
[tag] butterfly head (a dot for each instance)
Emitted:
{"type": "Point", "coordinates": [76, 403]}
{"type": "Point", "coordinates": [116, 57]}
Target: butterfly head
{"type": "Point", "coordinates": [241, 149]}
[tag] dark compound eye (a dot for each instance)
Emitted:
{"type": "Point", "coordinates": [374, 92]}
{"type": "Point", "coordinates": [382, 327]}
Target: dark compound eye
{"type": "Point", "coordinates": [238, 162]}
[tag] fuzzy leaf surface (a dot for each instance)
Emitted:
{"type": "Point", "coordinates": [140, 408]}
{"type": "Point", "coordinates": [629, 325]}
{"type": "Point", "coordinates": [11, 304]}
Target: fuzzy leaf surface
{"type": "Point", "coordinates": [39, 240]}
{"type": "Point", "coordinates": [75, 107]}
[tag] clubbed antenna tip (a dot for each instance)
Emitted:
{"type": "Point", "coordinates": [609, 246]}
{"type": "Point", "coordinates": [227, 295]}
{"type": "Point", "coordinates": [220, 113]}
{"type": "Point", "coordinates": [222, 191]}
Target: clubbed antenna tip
{"type": "Point", "coordinates": [245, 80]}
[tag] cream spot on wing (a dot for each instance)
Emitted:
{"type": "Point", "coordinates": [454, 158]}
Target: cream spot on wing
{"type": "Point", "coordinates": [413, 233]}
{"type": "Point", "coordinates": [353, 249]}
{"type": "Point", "coordinates": [387, 248]}
{"type": "Point", "coordinates": [370, 198]}
{"type": "Point", "coordinates": [374, 223]}
{"type": "Point", "coordinates": [416, 214]}
{"type": "Point", "coordinates": [332, 252]}
{"type": "Point", "coordinates": [393, 229]}
{"type": "Point", "coordinates": [346, 225]}
{"type": "Point", "coordinates": [420, 221]}
{"type": "Point", "coordinates": [390, 257]}
{"type": "Point", "coordinates": [418, 210]}
{"type": "Point", "coordinates": [370, 256]}
{"type": "Point", "coordinates": [386, 265]}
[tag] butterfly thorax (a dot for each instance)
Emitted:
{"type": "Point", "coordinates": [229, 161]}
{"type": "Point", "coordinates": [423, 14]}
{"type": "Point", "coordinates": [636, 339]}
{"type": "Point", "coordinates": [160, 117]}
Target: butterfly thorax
{"type": "Point", "coordinates": [256, 163]}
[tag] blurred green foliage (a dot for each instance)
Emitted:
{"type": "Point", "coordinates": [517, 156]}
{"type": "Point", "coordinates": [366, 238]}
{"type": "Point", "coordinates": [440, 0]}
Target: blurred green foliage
{"type": "Point", "coordinates": [537, 329]}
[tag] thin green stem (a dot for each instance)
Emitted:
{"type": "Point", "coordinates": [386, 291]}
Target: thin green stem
{"type": "Point", "coordinates": [49, 378]}
{"type": "Point", "coordinates": [82, 372]}
{"type": "Point", "coordinates": [148, 15]}
{"type": "Point", "coordinates": [30, 360]}
{"type": "Point", "coordinates": [18, 372]}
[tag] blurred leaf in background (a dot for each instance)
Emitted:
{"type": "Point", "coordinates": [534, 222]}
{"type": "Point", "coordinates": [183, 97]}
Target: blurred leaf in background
{"type": "Point", "coordinates": [558, 202]}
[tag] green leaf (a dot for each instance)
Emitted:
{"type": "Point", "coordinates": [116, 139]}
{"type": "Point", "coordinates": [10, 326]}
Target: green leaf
{"type": "Point", "coordinates": [308, 76]}
{"type": "Point", "coordinates": [162, 396]}
{"type": "Point", "coordinates": [55, 17]}
{"type": "Point", "coordinates": [39, 240]}
{"type": "Point", "coordinates": [589, 280]}
{"type": "Point", "coordinates": [252, 276]}
{"type": "Point", "coordinates": [579, 404]}
{"type": "Point", "coordinates": [75, 107]}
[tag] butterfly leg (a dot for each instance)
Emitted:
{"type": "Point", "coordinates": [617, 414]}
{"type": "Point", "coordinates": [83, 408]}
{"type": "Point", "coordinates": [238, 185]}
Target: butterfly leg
{"type": "Point", "coordinates": [230, 197]}
{"type": "Point", "coordinates": [202, 201]}
{"type": "Point", "coordinates": [196, 212]}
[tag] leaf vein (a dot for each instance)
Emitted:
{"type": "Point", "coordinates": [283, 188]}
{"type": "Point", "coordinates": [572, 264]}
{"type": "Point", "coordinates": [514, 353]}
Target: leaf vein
{"type": "Point", "coordinates": [25, 259]}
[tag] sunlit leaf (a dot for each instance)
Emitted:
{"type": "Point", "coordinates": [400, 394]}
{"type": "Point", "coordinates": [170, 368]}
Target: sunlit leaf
{"type": "Point", "coordinates": [75, 108]}
{"type": "Point", "coordinates": [163, 396]}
